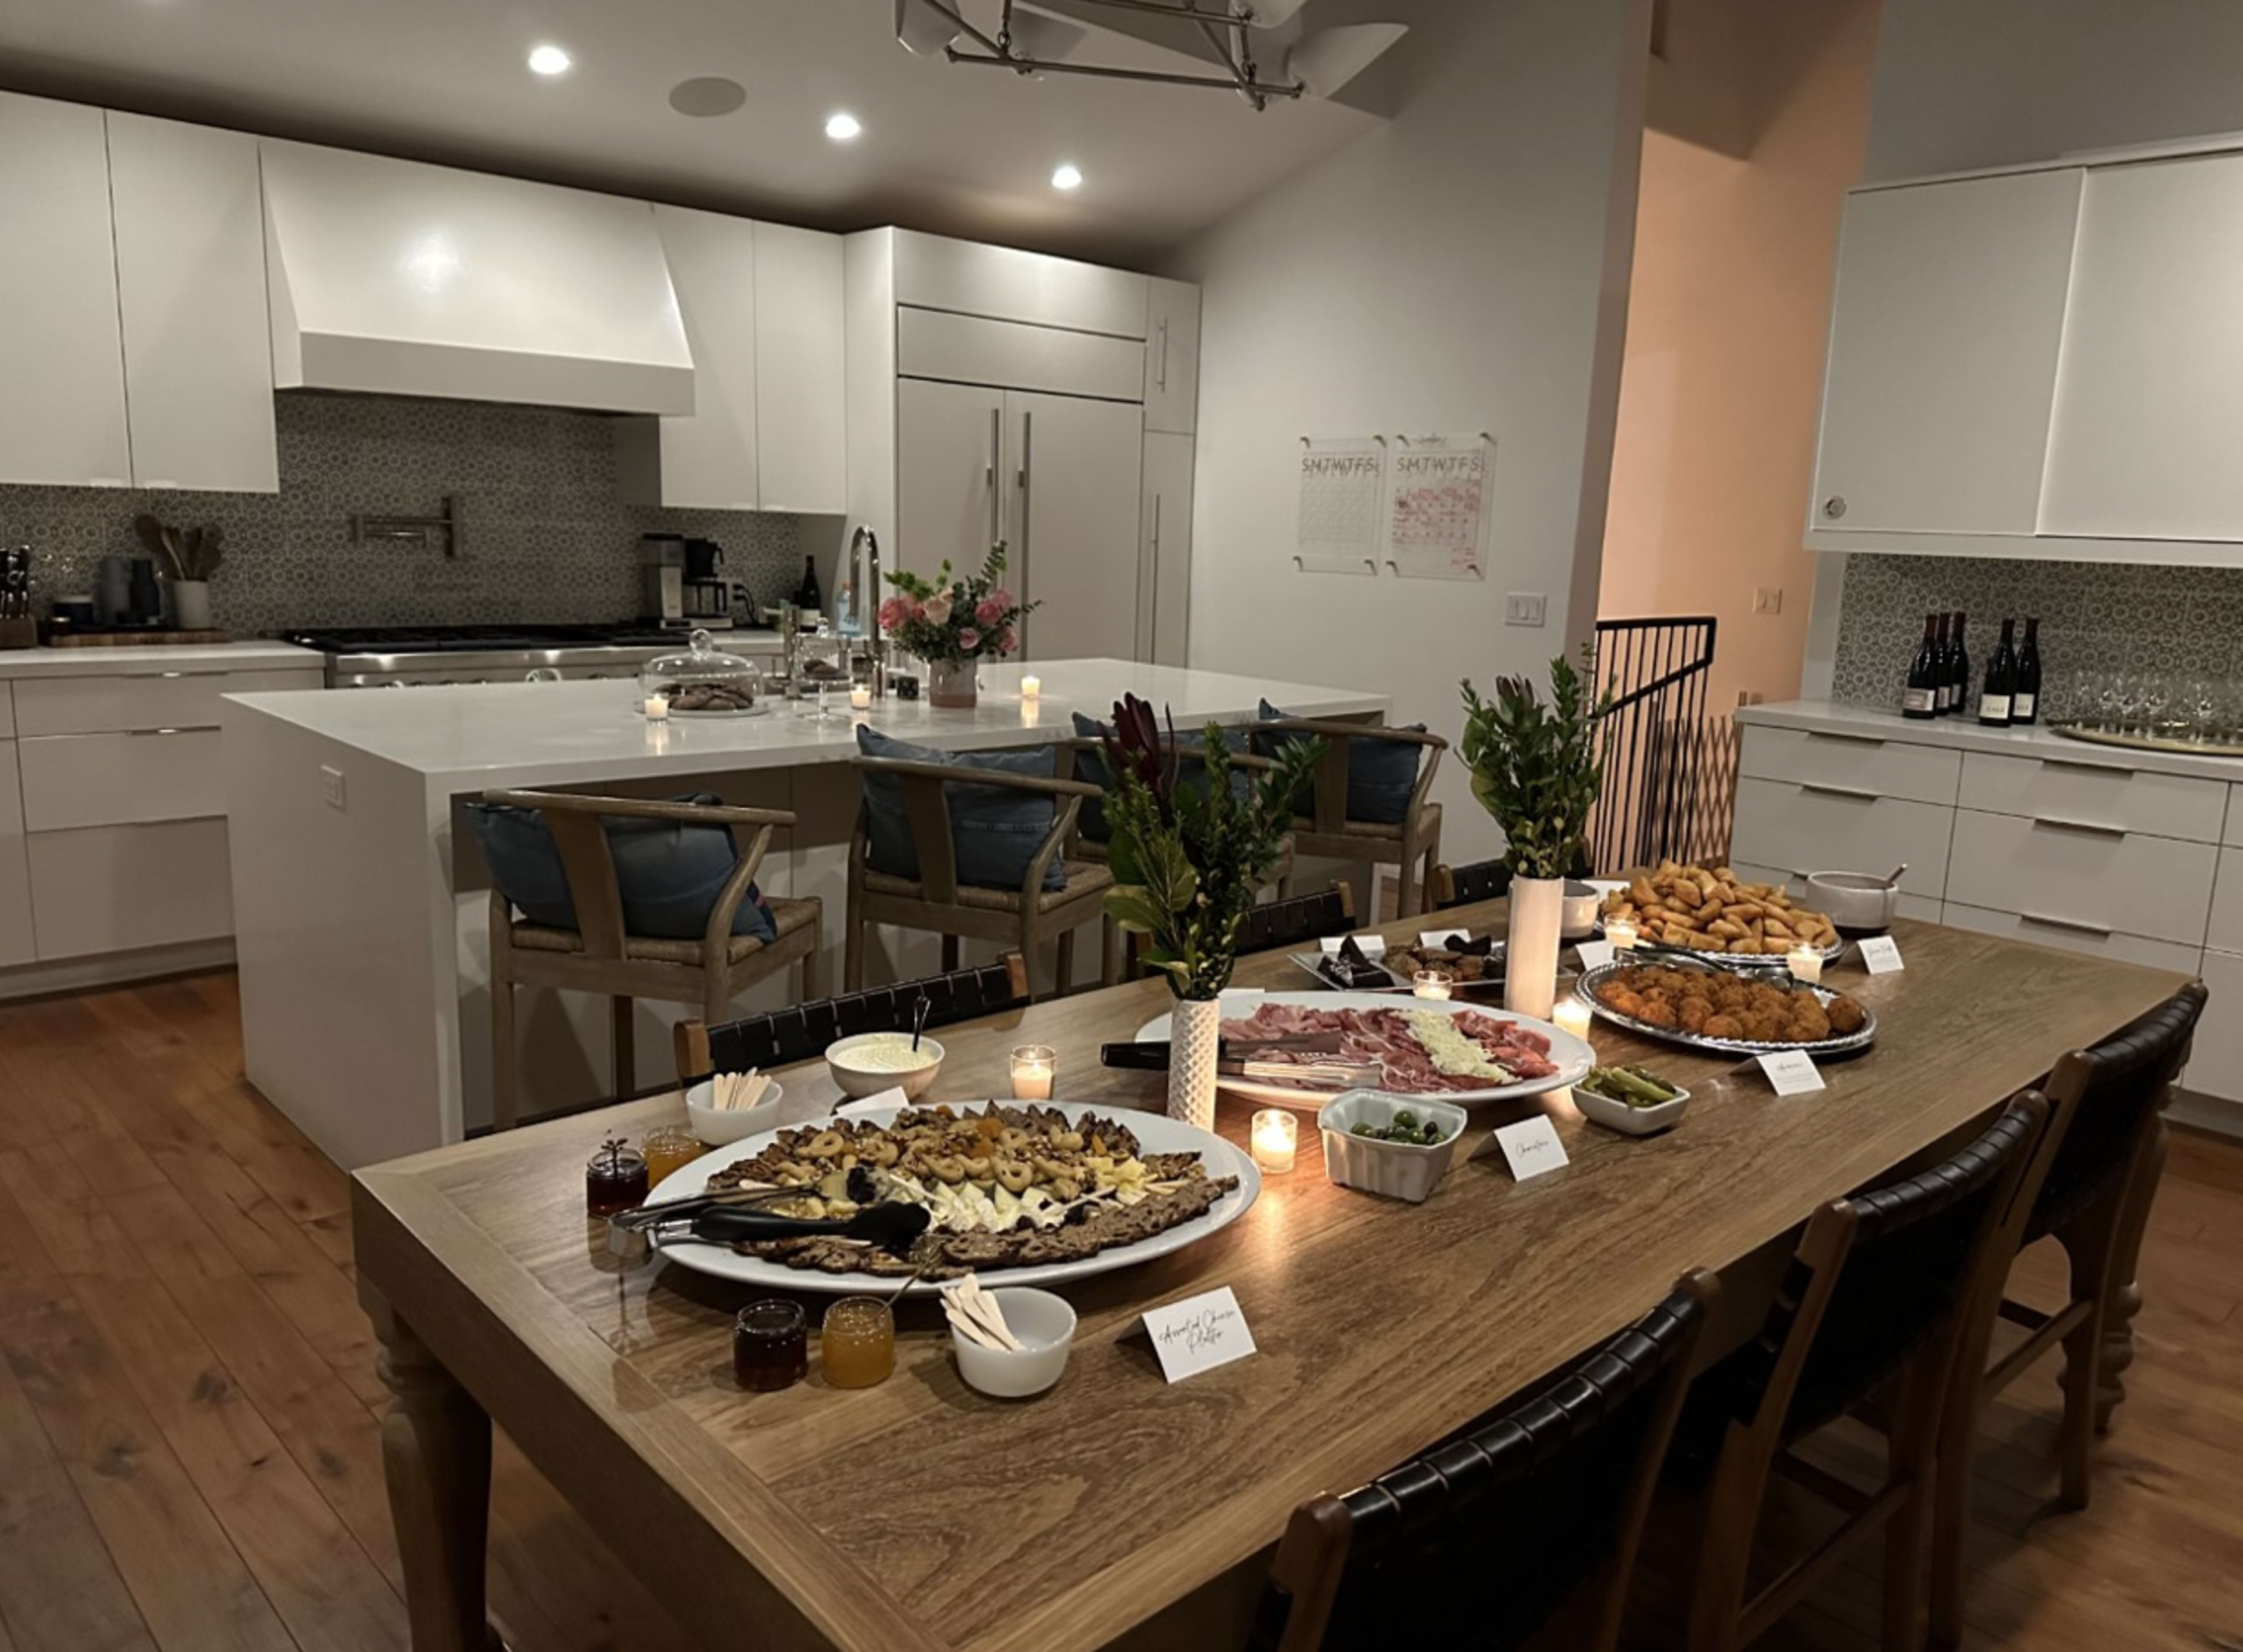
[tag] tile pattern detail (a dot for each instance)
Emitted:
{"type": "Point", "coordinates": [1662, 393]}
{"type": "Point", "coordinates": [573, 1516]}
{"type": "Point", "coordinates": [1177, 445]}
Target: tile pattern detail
{"type": "Point", "coordinates": [2094, 616]}
{"type": "Point", "coordinates": [548, 536]}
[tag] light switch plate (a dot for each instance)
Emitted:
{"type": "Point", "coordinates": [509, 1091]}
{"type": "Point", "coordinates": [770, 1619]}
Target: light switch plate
{"type": "Point", "coordinates": [1525, 608]}
{"type": "Point", "coordinates": [1767, 598]}
{"type": "Point", "coordinates": [331, 786]}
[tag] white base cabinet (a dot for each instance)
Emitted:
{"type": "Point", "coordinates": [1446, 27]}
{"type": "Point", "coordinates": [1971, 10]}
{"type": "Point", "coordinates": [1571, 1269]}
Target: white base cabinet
{"type": "Point", "coordinates": [16, 941]}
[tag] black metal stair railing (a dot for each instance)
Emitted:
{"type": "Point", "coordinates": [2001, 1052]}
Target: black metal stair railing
{"type": "Point", "coordinates": [1670, 770]}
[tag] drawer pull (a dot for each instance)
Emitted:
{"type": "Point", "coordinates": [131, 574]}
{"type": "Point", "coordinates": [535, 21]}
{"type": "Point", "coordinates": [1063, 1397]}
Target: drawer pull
{"type": "Point", "coordinates": [2076, 767]}
{"type": "Point", "coordinates": [1821, 790]}
{"type": "Point", "coordinates": [2087, 826]}
{"type": "Point", "coordinates": [1850, 739]}
{"type": "Point", "coordinates": [195, 728]}
{"type": "Point", "coordinates": [2101, 930]}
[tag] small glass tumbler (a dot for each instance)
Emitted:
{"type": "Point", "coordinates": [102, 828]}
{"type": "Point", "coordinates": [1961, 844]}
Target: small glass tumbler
{"type": "Point", "coordinates": [771, 1346]}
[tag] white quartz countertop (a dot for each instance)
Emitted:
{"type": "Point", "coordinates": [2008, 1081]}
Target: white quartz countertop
{"type": "Point", "coordinates": [472, 737]}
{"type": "Point", "coordinates": [152, 660]}
{"type": "Point", "coordinates": [1958, 734]}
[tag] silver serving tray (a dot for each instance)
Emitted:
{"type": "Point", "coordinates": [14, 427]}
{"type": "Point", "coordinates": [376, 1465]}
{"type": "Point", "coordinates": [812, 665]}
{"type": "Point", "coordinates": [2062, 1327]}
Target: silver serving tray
{"type": "Point", "coordinates": [1402, 983]}
{"type": "Point", "coordinates": [2132, 742]}
{"type": "Point", "coordinates": [1746, 963]}
{"type": "Point", "coordinates": [1585, 990]}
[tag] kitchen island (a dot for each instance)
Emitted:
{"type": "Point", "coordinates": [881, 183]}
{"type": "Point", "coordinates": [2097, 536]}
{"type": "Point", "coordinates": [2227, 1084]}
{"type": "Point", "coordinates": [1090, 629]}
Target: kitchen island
{"type": "Point", "coordinates": [359, 898]}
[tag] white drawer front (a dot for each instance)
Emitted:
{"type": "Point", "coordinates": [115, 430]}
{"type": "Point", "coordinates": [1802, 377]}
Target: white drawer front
{"type": "Point", "coordinates": [109, 780]}
{"type": "Point", "coordinates": [167, 699]}
{"type": "Point", "coordinates": [2126, 882]}
{"type": "Point", "coordinates": [2095, 794]}
{"type": "Point", "coordinates": [15, 945]}
{"type": "Point", "coordinates": [2235, 832]}
{"type": "Point", "coordinates": [7, 710]}
{"type": "Point", "coordinates": [2217, 1067]}
{"type": "Point", "coordinates": [2100, 943]}
{"type": "Point", "coordinates": [978, 280]}
{"type": "Point", "coordinates": [111, 889]}
{"type": "Point", "coordinates": [2226, 934]}
{"type": "Point", "coordinates": [1922, 908]}
{"type": "Point", "coordinates": [1888, 768]}
{"type": "Point", "coordinates": [1813, 828]}
{"type": "Point", "coordinates": [965, 349]}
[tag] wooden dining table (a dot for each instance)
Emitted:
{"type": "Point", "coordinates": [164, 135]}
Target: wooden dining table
{"type": "Point", "coordinates": [1118, 1509]}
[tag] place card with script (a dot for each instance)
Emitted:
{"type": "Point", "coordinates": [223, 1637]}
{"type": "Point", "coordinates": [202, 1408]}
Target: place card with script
{"type": "Point", "coordinates": [892, 1096]}
{"type": "Point", "coordinates": [1531, 1147]}
{"type": "Point", "coordinates": [1198, 1333]}
{"type": "Point", "coordinates": [1791, 1073]}
{"type": "Point", "coordinates": [1881, 954]}
{"type": "Point", "coordinates": [1369, 946]}
{"type": "Point", "coordinates": [1594, 954]}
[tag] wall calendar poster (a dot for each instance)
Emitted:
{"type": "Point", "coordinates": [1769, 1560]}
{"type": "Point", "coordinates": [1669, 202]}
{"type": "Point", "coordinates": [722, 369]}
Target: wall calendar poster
{"type": "Point", "coordinates": [1439, 519]}
{"type": "Point", "coordinates": [1342, 486]}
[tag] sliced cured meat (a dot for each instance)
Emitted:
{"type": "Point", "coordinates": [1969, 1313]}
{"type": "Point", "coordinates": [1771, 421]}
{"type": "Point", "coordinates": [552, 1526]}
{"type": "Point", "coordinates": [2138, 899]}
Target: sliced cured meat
{"type": "Point", "coordinates": [1385, 1037]}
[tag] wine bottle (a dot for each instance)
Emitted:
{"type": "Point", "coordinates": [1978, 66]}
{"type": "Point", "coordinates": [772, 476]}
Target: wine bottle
{"type": "Point", "coordinates": [2025, 701]}
{"type": "Point", "coordinates": [1921, 696]}
{"type": "Point", "coordinates": [807, 596]}
{"type": "Point", "coordinates": [1943, 686]}
{"type": "Point", "coordinates": [2001, 680]}
{"type": "Point", "coordinates": [1958, 669]}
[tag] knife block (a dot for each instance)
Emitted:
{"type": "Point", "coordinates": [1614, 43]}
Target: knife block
{"type": "Point", "coordinates": [19, 633]}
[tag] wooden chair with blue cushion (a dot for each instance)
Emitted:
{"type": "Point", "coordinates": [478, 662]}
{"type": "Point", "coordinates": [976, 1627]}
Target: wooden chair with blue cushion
{"type": "Point", "coordinates": [803, 1030]}
{"type": "Point", "coordinates": [1520, 1532]}
{"type": "Point", "coordinates": [1370, 799]}
{"type": "Point", "coordinates": [632, 898]}
{"type": "Point", "coordinates": [969, 847]}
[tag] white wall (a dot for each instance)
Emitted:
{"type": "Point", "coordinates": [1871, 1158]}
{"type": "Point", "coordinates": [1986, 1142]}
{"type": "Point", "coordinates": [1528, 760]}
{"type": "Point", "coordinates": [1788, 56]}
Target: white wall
{"type": "Point", "coordinates": [1962, 83]}
{"type": "Point", "coordinates": [1464, 270]}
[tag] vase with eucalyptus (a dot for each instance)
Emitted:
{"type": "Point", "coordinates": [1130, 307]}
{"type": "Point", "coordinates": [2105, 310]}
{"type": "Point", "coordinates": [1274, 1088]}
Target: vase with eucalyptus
{"type": "Point", "coordinates": [1191, 845]}
{"type": "Point", "coordinates": [1536, 769]}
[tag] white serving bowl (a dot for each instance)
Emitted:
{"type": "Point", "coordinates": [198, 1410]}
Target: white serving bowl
{"type": "Point", "coordinates": [721, 1129]}
{"type": "Point", "coordinates": [1397, 1169]}
{"type": "Point", "coordinates": [1045, 1325]}
{"type": "Point", "coordinates": [1577, 910]}
{"type": "Point", "coordinates": [1858, 903]}
{"type": "Point", "coordinates": [857, 1082]}
{"type": "Point", "coordinates": [1630, 1121]}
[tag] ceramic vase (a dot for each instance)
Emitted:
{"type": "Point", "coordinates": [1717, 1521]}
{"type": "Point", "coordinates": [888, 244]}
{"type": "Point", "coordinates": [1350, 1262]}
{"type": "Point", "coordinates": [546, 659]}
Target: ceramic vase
{"type": "Point", "coordinates": [951, 684]}
{"type": "Point", "coordinates": [1529, 964]}
{"type": "Point", "coordinates": [191, 609]}
{"type": "Point", "coordinates": [1195, 1033]}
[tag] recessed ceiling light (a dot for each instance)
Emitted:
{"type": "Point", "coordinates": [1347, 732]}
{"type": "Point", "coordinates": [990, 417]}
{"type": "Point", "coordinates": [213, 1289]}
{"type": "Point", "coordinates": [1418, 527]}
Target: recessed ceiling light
{"type": "Point", "coordinates": [548, 61]}
{"type": "Point", "coordinates": [841, 126]}
{"type": "Point", "coordinates": [1069, 176]}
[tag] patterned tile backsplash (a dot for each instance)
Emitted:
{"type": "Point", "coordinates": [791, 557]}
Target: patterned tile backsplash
{"type": "Point", "coordinates": [546, 535]}
{"type": "Point", "coordinates": [2094, 616]}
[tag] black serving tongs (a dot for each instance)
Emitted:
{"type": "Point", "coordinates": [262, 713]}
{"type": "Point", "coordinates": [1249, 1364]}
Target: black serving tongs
{"type": "Point", "coordinates": [892, 1225]}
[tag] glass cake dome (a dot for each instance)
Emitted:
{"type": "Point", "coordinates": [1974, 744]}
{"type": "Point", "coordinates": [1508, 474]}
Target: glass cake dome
{"type": "Point", "coordinates": [704, 681]}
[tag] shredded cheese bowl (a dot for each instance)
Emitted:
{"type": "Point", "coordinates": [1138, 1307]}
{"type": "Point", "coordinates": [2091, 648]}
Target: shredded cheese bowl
{"type": "Point", "coordinates": [868, 1063]}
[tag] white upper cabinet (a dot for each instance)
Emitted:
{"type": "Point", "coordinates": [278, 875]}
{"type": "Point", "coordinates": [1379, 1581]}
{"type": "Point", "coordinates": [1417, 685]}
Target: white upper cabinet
{"type": "Point", "coordinates": [705, 459]}
{"type": "Point", "coordinates": [2149, 407]}
{"type": "Point", "coordinates": [1172, 358]}
{"type": "Point", "coordinates": [1944, 337]}
{"type": "Point", "coordinates": [62, 417]}
{"type": "Point", "coordinates": [801, 413]}
{"type": "Point", "coordinates": [938, 273]}
{"type": "Point", "coordinates": [191, 289]}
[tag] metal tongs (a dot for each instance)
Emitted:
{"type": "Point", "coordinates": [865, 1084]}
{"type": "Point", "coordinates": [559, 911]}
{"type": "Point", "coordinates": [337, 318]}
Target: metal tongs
{"type": "Point", "coordinates": [737, 1218]}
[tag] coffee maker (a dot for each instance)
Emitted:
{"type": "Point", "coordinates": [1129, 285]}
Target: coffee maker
{"type": "Point", "coordinates": [708, 596]}
{"type": "Point", "coordinates": [662, 578]}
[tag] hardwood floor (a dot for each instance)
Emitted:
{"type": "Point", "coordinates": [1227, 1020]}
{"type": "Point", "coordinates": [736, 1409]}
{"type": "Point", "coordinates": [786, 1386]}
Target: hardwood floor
{"type": "Point", "coordinates": [190, 1451]}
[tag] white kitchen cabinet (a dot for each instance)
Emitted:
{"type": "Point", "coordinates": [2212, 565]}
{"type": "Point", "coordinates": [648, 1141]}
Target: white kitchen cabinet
{"type": "Point", "coordinates": [1164, 567]}
{"type": "Point", "coordinates": [2090, 938]}
{"type": "Point", "coordinates": [62, 363]}
{"type": "Point", "coordinates": [1812, 826]}
{"type": "Point", "coordinates": [2149, 404]}
{"type": "Point", "coordinates": [705, 459]}
{"type": "Point", "coordinates": [975, 350]}
{"type": "Point", "coordinates": [801, 429]}
{"type": "Point", "coordinates": [2095, 796]}
{"type": "Point", "coordinates": [1077, 464]}
{"type": "Point", "coordinates": [18, 945]}
{"type": "Point", "coordinates": [938, 273]}
{"type": "Point", "coordinates": [181, 699]}
{"type": "Point", "coordinates": [1944, 336]}
{"type": "Point", "coordinates": [190, 228]}
{"type": "Point", "coordinates": [2216, 1068]}
{"type": "Point", "coordinates": [120, 779]}
{"type": "Point", "coordinates": [1859, 762]}
{"type": "Point", "coordinates": [1172, 357]}
{"type": "Point", "coordinates": [119, 889]}
{"type": "Point", "coordinates": [951, 485]}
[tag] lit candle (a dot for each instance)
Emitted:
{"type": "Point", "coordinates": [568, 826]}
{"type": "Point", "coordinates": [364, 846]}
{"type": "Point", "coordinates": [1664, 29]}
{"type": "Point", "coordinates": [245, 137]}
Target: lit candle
{"type": "Point", "coordinates": [1031, 686]}
{"type": "Point", "coordinates": [1572, 1016]}
{"type": "Point", "coordinates": [1621, 934]}
{"type": "Point", "coordinates": [860, 696]}
{"type": "Point", "coordinates": [1276, 1137]}
{"type": "Point", "coordinates": [1805, 963]}
{"type": "Point", "coordinates": [1034, 1065]}
{"type": "Point", "coordinates": [656, 707]}
{"type": "Point", "coordinates": [1429, 983]}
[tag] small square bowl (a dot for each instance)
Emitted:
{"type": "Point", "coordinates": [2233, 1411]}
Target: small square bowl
{"type": "Point", "coordinates": [721, 1129]}
{"type": "Point", "coordinates": [1399, 1170]}
{"type": "Point", "coordinates": [1630, 1121]}
{"type": "Point", "coordinates": [1045, 1325]}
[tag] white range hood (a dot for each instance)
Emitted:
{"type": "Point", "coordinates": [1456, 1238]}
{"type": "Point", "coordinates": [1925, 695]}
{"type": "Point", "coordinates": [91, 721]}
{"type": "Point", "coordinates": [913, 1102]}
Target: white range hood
{"type": "Point", "coordinates": [390, 277]}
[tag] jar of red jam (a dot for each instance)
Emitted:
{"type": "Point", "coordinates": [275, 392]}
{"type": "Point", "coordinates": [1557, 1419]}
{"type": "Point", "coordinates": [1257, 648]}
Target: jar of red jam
{"type": "Point", "coordinates": [771, 1346]}
{"type": "Point", "coordinates": [614, 1179]}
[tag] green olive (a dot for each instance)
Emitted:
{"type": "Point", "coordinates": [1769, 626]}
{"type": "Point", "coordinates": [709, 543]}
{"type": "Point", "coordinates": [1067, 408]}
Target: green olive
{"type": "Point", "coordinates": [1405, 1120]}
{"type": "Point", "coordinates": [1371, 1130]}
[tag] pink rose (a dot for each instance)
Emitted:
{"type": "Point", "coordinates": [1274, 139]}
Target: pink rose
{"type": "Point", "coordinates": [938, 607]}
{"type": "Point", "coordinates": [1003, 643]}
{"type": "Point", "coordinates": [894, 613]}
{"type": "Point", "coordinates": [990, 611]}
{"type": "Point", "coordinates": [969, 638]}
{"type": "Point", "coordinates": [1004, 598]}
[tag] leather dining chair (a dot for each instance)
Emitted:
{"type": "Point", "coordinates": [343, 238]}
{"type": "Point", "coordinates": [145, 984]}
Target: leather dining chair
{"type": "Point", "coordinates": [1298, 919]}
{"type": "Point", "coordinates": [1463, 885]}
{"type": "Point", "coordinates": [803, 1030]}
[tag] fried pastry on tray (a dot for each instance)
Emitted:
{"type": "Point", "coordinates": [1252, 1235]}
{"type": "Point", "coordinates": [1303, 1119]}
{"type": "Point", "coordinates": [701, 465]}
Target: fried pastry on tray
{"type": "Point", "coordinates": [1709, 909]}
{"type": "Point", "coordinates": [1730, 1007]}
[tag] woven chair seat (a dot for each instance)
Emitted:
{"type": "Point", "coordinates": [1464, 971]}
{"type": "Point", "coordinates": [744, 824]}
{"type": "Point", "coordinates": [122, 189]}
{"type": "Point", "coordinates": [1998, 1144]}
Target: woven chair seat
{"type": "Point", "coordinates": [789, 914]}
{"type": "Point", "coordinates": [1083, 877]}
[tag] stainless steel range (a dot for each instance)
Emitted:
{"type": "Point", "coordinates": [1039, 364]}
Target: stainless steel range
{"type": "Point", "coordinates": [409, 656]}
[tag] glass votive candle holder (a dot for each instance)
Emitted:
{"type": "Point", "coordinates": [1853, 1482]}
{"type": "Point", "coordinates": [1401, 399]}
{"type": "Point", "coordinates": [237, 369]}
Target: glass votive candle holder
{"type": "Point", "coordinates": [1571, 1015]}
{"type": "Point", "coordinates": [1035, 1068]}
{"type": "Point", "coordinates": [1031, 686]}
{"type": "Point", "coordinates": [1805, 963]}
{"type": "Point", "coordinates": [857, 1344]}
{"type": "Point", "coordinates": [1621, 934]}
{"type": "Point", "coordinates": [1274, 1137]}
{"type": "Point", "coordinates": [860, 696]}
{"type": "Point", "coordinates": [1432, 983]}
{"type": "Point", "coordinates": [771, 1346]}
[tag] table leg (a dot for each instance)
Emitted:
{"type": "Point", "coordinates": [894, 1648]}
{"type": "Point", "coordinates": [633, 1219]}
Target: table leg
{"type": "Point", "coordinates": [436, 1452]}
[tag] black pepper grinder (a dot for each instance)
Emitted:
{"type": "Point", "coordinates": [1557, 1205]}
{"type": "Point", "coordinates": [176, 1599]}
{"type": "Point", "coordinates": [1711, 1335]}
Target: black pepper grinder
{"type": "Point", "coordinates": [144, 600]}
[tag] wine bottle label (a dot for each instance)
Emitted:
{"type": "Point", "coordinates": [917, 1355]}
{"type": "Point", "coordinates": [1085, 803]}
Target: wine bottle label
{"type": "Point", "coordinates": [1919, 700]}
{"type": "Point", "coordinates": [1993, 708]}
{"type": "Point", "coordinates": [1941, 697]}
{"type": "Point", "coordinates": [2022, 707]}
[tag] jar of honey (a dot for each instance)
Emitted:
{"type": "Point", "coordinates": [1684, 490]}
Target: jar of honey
{"type": "Point", "coordinates": [857, 1346]}
{"type": "Point", "coordinates": [666, 1148]}
{"type": "Point", "coordinates": [614, 1179]}
{"type": "Point", "coordinates": [771, 1346]}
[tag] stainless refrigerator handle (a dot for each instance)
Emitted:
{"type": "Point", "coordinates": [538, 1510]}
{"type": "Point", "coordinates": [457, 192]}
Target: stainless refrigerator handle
{"type": "Point", "coordinates": [1027, 469]}
{"type": "Point", "coordinates": [1164, 380]}
{"type": "Point", "coordinates": [1153, 620]}
{"type": "Point", "coordinates": [996, 446]}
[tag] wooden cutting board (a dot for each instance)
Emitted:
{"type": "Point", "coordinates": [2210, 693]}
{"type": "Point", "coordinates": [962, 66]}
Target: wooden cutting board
{"type": "Point", "coordinates": [131, 639]}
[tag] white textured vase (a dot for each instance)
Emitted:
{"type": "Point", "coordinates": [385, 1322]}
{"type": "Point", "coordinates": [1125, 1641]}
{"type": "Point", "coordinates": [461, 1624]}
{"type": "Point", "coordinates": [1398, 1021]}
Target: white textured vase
{"type": "Point", "coordinates": [1530, 963]}
{"type": "Point", "coordinates": [1195, 1038]}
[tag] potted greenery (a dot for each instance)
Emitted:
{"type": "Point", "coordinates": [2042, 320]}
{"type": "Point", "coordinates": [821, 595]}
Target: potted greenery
{"type": "Point", "coordinates": [1188, 851]}
{"type": "Point", "coordinates": [953, 624]}
{"type": "Point", "coordinates": [1535, 767]}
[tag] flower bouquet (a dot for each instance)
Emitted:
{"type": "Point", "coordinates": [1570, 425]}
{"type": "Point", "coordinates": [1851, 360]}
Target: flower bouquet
{"type": "Point", "coordinates": [952, 623]}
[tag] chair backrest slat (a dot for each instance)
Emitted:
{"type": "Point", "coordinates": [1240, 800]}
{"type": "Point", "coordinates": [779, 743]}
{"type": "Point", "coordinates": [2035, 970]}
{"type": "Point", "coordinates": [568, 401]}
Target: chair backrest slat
{"type": "Point", "coordinates": [588, 862]}
{"type": "Point", "coordinates": [1304, 917]}
{"type": "Point", "coordinates": [803, 1030]}
{"type": "Point", "coordinates": [927, 808]}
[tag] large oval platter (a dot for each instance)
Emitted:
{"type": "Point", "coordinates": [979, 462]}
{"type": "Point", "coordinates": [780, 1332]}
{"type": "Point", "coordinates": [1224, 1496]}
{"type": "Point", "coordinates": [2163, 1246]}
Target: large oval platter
{"type": "Point", "coordinates": [1572, 1056]}
{"type": "Point", "coordinates": [1738, 962]}
{"type": "Point", "coordinates": [1585, 990]}
{"type": "Point", "coordinates": [1156, 1133]}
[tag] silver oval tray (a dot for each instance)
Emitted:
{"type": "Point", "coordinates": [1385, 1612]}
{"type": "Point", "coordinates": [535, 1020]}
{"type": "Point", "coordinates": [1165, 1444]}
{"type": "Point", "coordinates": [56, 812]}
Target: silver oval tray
{"type": "Point", "coordinates": [1585, 990]}
{"type": "Point", "coordinates": [1743, 962]}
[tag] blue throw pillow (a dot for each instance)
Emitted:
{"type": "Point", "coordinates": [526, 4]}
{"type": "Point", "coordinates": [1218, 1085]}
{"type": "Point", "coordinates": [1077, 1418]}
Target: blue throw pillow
{"type": "Point", "coordinates": [994, 830]}
{"type": "Point", "coordinates": [670, 874]}
{"type": "Point", "coordinates": [1090, 768]}
{"type": "Point", "coordinates": [1381, 774]}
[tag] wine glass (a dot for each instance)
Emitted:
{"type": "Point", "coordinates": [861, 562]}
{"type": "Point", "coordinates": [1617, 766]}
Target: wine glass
{"type": "Point", "coordinates": [2157, 695]}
